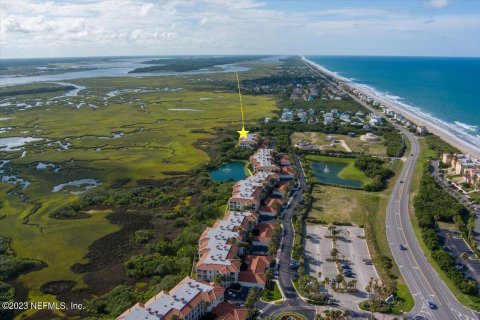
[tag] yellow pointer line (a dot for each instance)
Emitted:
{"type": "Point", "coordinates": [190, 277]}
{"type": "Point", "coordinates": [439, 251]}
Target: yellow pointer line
{"type": "Point", "coordinates": [241, 103]}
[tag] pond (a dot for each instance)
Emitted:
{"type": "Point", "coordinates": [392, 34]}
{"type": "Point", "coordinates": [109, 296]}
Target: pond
{"type": "Point", "coordinates": [233, 170]}
{"type": "Point", "coordinates": [327, 172]}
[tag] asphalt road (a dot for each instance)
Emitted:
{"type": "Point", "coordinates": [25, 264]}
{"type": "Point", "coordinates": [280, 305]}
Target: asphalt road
{"type": "Point", "coordinates": [424, 283]}
{"type": "Point", "coordinates": [285, 275]}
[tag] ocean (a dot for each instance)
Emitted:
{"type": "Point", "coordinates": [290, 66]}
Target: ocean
{"type": "Point", "coordinates": [446, 90]}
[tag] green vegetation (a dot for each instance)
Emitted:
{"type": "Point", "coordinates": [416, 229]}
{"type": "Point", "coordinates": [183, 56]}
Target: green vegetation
{"type": "Point", "coordinates": [33, 89]}
{"type": "Point", "coordinates": [432, 204]}
{"type": "Point", "coordinates": [439, 146]}
{"type": "Point", "coordinates": [189, 64]}
{"type": "Point", "coordinates": [351, 171]}
{"type": "Point", "coordinates": [395, 143]}
{"type": "Point", "coordinates": [290, 315]}
{"type": "Point", "coordinates": [271, 294]}
{"type": "Point", "coordinates": [158, 143]}
{"type": "Point", "coordinates": [374, 168]}
{"type": "Point", "coordinates": [10, 267]}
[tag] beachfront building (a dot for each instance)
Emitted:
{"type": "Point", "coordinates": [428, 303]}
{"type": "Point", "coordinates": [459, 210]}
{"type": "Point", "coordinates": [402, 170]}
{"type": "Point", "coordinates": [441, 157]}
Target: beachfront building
{"type": "Point", "coordinates": [461, 163]}
{"type": "Point", "coordinates": [472, 177]}
{"type": "Point", "coordinates": [421, 130]}
{"type": "Point", "coordinates": [263, 160]}
{"type": "Point", "coordinates": [250, 142]}
{"type": "Point", "coordinates": [247, 194]}
{"type": "Point", "coordinates": [190, 300]}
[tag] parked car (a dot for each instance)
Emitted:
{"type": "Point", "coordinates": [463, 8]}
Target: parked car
{"type": "Point", "coordinates": [348, 273]}
{"type": "Point", "coordinates": [446, 248]}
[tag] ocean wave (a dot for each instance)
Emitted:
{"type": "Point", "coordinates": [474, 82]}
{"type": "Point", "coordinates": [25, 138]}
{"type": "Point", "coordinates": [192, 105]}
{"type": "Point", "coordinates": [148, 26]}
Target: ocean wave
{"type": "Point", "coordinates": [458, 129]}
{"type": "Point", "coordinates": [392, 97]}
{"type": "Point", "coordinates": [466, 126]}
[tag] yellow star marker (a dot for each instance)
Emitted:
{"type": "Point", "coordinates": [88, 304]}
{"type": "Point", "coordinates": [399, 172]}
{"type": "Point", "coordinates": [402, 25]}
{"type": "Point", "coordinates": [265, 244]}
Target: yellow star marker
{"type": "Point", "coordinates": [243, 133]}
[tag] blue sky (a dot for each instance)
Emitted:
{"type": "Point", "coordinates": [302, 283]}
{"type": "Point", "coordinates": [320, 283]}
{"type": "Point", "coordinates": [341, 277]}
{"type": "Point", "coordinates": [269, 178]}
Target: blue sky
{"type": "Point", "coordinates": [43, 28]}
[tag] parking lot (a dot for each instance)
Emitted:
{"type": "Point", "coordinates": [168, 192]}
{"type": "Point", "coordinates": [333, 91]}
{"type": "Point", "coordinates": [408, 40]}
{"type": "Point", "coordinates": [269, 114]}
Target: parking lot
{"type": "Point", "coordinates": [353, 251]}
{"type": "Point", "coordinates": [455, 245]}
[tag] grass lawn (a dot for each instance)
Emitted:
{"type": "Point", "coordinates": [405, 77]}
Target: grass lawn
{"type": "Point", "coordinates": [159, 129]}
{"type": "Point", "coordinates": [349, 172]}
{"type": "Point", "coordinates": [468, 300]}
{"type": "Point", "coordinates": [354, 143]}
{"type": "Point", "coordinates": [334, 204]}
{"type": "Point", "coordinates": [272, 295]}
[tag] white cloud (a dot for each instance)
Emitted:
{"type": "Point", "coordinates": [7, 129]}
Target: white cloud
{"type": "Point", "coordinates": [145, 9]}
{"type": "Point", "coordinates": [438, 3]}
{"type": "Point", "coordinates": [120, 27]}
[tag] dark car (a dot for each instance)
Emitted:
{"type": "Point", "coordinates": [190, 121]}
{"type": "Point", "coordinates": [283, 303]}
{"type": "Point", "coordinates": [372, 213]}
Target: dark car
{"type": "Point", "coordinates": [402, 247]}
{"type": "Point", "coordinates": [431, 305]}
{"type": "Point", "coordinates": [348, 273]}
{"type": "Point", "coordinates": [345, 266]}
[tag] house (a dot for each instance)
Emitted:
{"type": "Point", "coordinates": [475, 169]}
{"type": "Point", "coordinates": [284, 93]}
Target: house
{"type": "Point", "coordinates": [422, 130]}
{"type": "Point", "coordinates": [250, 142]}
{"type": "Point", "coordinates": [227, 311]}
{"type": "Point", "coordinates": [327, 120]}
{"type": "Point", "coordinates": [189, 299]}
{"type": "Point", "coordinates": [375, 120]}
{"type": "Point", "coordinates": [287, 115]}
{"type": "Point", "coordinates": [472, 176]}
{"type": "Point", "coordinates": [270, 208]}
{"type": "Point", "coordinates": [254, 276]}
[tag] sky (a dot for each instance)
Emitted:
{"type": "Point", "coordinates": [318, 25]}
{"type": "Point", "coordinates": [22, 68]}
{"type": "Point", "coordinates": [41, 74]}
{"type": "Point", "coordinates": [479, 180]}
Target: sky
{"type": "Point", "coordinates": [69, 28]}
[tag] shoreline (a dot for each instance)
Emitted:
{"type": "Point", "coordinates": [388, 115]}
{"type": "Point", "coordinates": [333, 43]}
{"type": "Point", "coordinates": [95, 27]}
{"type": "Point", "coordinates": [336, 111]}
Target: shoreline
{"type": "Point", "coordinates": [434, 125]}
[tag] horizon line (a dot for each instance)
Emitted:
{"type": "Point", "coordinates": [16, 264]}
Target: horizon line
{"type": "Point", "coordinates": [231, 55]}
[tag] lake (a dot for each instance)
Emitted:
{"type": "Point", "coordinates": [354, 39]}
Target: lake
{"type": "Point", "coordinates": [330, 176]}
{"type": "Point", "coordinates": [233, 170]}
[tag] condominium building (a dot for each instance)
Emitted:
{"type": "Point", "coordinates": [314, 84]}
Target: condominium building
{"type": "Point", "coordinates": [190, 300]}
{"type": "Point", "coordinates": [263, 160]}
{"type": "Point", "coordinates": [250, 142]}
{"type": "Point", "coordinates": [247, 194]}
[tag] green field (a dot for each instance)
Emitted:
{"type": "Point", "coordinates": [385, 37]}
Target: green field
{"type": "Point", "coordinates": [133, 135]}
{"type": "Point", "coordinates": [349, 172]}
{"type": "Point", "coordinates": [355, 144]}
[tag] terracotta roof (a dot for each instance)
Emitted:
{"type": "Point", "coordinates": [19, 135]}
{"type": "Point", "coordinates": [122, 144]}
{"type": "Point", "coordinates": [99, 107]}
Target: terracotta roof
{"type": "Point", "coordinates": [265, 232]}
{"type": "Point", "coordinates": [256, 269]}
{"type": "Point", "coordinates": [227, 311]}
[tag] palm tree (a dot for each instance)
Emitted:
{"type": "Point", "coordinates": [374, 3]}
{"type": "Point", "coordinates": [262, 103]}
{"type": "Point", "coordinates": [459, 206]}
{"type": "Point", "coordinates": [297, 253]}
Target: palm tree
{"type": "Point", "coordinates": [319, 274]}
{"type": "Point", "coordinates": [334, 253]}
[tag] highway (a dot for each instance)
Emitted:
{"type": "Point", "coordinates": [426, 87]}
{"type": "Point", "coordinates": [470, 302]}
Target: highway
{"type": "Point", "coordinates": [422, 280]}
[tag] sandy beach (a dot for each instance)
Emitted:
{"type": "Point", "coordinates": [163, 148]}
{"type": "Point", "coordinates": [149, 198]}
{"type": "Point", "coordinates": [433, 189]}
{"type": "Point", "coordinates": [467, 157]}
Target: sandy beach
{"type": "Point", "coordinates": [461, 141]}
